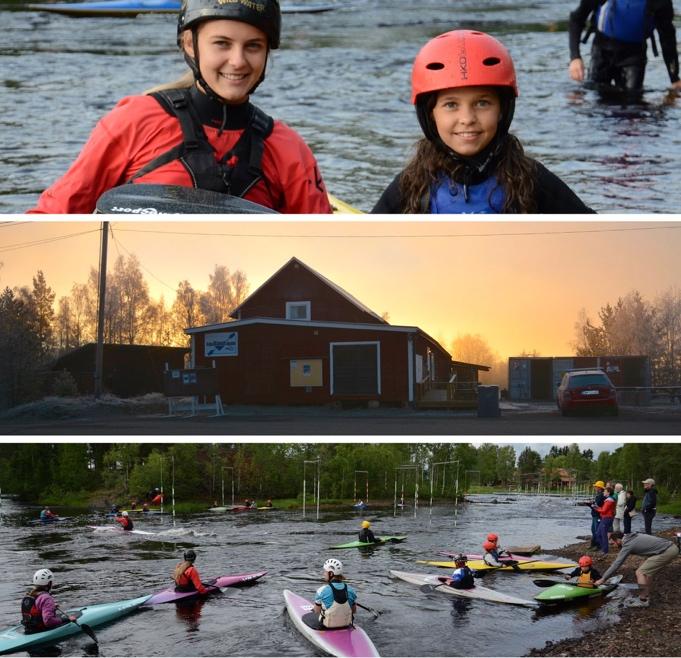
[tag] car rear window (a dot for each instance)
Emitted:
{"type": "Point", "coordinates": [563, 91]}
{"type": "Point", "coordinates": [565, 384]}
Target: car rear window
{"type": "Point", "coordinates": [577, 381]}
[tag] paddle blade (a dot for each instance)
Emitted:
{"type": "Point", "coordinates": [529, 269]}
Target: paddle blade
{"type": "Point", "coordinates": [545, 582]}
{"type": "Point", "coordinates": [88, 631]}
{"type": "Point", "coordinates": [139, 199]}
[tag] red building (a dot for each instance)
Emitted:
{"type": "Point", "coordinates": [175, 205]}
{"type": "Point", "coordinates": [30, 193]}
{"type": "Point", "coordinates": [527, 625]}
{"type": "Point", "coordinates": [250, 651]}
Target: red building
{"type": "Point", "coordinates": [301, 339]}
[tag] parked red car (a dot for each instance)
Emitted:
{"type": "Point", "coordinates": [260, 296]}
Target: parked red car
{"type": "Point", "coordinates": [586, 389]}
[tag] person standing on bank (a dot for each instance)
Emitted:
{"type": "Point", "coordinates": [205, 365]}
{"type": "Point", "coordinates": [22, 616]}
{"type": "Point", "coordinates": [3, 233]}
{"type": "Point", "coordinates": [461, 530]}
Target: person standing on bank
{"type": "Point", "coordinates": [463, 85]}
{"type": "Point", "coordinates": [649, 504]}
{"type": "Point", "coordinates": [660, 552]}
{"type": "Point", "coordinates": [598, 500]}
{"type": "Point", "coordinates": [620, 499]}
{"type": "Point", "coordinates": [618, 52]}
{"type": "Point", "coordinates": [202, 131]}
{"type": "Point", "coordinates": [629, 511]}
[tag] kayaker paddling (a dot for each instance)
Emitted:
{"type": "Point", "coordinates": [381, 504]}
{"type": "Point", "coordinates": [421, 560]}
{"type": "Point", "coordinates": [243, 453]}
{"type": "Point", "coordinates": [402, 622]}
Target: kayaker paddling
{"type": "Point", "coordinates": [335, 602]}
{"type": "Point", "coordinates": [365, 534]}
{"type": "Point", "coordinates": [494, 557]}
{"type": "Point", "coordinates": [463, 576]}
{"type": "Point", "coordinates": [38, 608]}
{"type": "Point", "coordinates": [201, 131]}
{"type": "Point", "coordinates": [124, 520]}
{"type": "Point", "coordinates": [186, 575]}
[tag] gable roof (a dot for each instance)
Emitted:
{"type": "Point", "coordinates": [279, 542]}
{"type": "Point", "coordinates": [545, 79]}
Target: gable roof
{"type": "Point", "coordinates": [334, 286]}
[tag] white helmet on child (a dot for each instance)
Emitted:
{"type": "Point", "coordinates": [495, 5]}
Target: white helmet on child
{"type": "Point", "coordinates": [43, 578]}
{"type": "Point", "coordinates": [334, 566]}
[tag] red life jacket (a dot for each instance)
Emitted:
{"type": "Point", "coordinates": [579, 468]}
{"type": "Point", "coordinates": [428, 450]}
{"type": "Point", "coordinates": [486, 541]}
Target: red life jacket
{"type": "Point", "coordinates": [31, 616]}
{"type": "Point", "coordinates": [184, 583]}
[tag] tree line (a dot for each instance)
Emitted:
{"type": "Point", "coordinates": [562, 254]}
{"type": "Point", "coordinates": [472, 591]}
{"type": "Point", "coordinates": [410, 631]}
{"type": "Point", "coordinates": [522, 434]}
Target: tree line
{"type": "Point", "coordinates": [35, 327]}
{"type": "Point", "coordinates": [200, 471]}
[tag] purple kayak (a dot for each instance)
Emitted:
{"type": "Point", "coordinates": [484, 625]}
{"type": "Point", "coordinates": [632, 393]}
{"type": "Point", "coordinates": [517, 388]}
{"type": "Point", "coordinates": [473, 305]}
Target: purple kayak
{"type": "Point", "coordinates": [351, 641]}
{"type": "Point", "coordinates": [171, 596]}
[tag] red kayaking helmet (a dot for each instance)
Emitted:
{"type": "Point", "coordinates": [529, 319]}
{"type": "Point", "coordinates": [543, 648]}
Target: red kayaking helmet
{"type": "Point", "coordinates": [489, 546]}
{"type": "Point", "coordinates": [492, 537]}
{"type": "Point", "coordinates": [462, 58]}
{"type": "Point", "coordinates": [585, 561]}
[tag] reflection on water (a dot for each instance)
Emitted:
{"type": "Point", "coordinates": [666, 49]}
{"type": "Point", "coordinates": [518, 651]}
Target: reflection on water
{"type": "Point", "coordinates": [342, 80]}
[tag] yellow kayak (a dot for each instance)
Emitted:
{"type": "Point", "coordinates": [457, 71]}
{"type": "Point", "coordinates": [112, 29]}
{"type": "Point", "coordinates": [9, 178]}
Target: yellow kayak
{"type": "Point", "coordinates": [530, 565]}
{"type": "Point", "coordinates": [340, 207]}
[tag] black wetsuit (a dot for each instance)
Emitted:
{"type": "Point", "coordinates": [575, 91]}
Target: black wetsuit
{"type": "Point", "coordinates": [619, 63]}
{"type": "Point", "coordinates": [367, 536]}
{"type": "Point", "coordinates": [553, 196]}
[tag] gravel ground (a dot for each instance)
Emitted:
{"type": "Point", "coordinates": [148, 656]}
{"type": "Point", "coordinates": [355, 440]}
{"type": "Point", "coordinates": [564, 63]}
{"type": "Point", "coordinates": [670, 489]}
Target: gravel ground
{"type": "Point", "coordinates": [651, 631]}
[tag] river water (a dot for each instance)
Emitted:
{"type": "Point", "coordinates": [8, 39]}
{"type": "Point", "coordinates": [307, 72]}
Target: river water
{"type": "Point", "coordinates": [96, 566]}
{"type": "Point", "coordinates": [341, 79]}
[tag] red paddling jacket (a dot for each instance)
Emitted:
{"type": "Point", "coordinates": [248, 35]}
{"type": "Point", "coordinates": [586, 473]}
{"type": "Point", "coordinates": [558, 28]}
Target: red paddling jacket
{"type": "Point", "coordinates": [143, 130]}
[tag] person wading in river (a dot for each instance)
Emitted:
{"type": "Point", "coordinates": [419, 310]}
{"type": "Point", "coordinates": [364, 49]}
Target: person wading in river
{"type": "Point", "coordinates": [202, 131]}
{"type": "Point", "coordinates": [618, 52]}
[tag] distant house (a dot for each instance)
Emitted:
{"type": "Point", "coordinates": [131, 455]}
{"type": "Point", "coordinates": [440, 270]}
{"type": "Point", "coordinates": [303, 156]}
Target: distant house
{"type": "Point", "coordinates": [301, 339]}
{"type": "Point", "coordinates": [128, 370]}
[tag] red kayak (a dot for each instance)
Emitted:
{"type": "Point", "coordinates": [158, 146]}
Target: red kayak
{"type": "Point", "coordinates": [171, 596]}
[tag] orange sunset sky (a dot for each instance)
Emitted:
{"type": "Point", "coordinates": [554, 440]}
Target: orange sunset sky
{"type": "Point", "coordinates": [520, 285]}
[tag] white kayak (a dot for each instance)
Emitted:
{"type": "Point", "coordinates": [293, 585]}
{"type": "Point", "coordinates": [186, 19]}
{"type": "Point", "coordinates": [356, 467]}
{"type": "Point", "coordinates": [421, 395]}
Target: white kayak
{"type": "Point", "coordinates": [477, 592]}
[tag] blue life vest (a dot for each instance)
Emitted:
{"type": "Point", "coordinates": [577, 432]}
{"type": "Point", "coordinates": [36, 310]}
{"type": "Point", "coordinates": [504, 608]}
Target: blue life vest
{"type": "Point", "coordinates": [447, 197]}
{"type": "Point", "coordinates": [625, 20]}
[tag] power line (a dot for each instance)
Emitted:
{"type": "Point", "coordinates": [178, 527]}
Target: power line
{"type": "Point", "coordinates": [146, 269]}
{"type": "Point", "coordinates": [385, 236]}
{"type": "Point", "coordinates": [36, 243]}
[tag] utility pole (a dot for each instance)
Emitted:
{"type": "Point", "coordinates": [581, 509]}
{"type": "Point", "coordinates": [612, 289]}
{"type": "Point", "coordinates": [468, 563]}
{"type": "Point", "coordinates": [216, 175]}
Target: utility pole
{"type": "Point", "coordinates": [99, 355]}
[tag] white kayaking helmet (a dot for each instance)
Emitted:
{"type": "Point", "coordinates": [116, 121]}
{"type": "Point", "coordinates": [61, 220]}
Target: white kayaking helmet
{"type": "Point", "coordinates": [125, 514]}
{"type": "Point", "coordinates": [43, 578]}
{"type": "Point", "coordinates": [334, 566]}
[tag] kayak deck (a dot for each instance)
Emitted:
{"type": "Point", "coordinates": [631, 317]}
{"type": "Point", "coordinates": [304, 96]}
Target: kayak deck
{"type": "Point", "coordinates": [564, 593]}
{"type": "Point", "coordinates": [352, 641]}
{"type": "Point", "coordinates": [530, 565]}
{"type": "Point", "coordinates": [169, 595]}
{"type": "Point", "coordinates": [380, 541]}
{"type": "Point", "coordinates": [14, 639]}
{"type": "Point", "coordinates": [477, 592]}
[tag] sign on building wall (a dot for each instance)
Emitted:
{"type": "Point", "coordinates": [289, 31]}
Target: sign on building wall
{"type": "Point", "coordinates": [223, 344]}
{"type": "Point", "coordinates": [306, 372]}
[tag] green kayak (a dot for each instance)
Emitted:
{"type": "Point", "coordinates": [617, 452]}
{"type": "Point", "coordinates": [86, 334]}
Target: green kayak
{"type": "Point", "coordinates": [563, 593]}
{"type": "Point", "coordinates": [14, 639]}
{"type": "Point", "coordinates": [379, 540]}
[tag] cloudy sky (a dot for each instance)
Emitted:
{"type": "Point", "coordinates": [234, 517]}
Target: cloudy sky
{"type": "Point", "coordinates": [520, 285]}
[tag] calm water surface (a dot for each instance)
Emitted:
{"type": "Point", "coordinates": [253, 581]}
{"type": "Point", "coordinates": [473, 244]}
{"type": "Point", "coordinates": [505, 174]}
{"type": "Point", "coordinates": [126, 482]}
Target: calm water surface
{"type": "Point", "coordinates": [94, 566]}
{"type": "Point", "coordinates": [342, 80]}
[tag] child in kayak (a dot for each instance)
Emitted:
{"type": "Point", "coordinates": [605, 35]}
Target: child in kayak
{"type": "Point", "coordinates": [334, 603]}
{"type": "Point", "coordinates": [201, 131]}
{"type": "Point", "coordinates": [186, 575]}
{"type": "Point", "coordinates": [464, 89]}
{"type": "Point", "coordinates": [124, 520]}
{"type": "Point", "coordinates": [365, 534]}
{"type": "Point", "coordinates": [38, 608]}
{"type": "Point", "coordinates": [585, 573]}
{"type": "Point", "coordinates": [493, 556]}
{"type": "Point", "coordinates": [463, 575]}
{"type": "Point", "coordinates": [47, 515]}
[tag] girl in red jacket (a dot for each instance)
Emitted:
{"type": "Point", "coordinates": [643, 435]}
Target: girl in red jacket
{"type": "Point", "coordinates": [607, 514]}
{"type": "Point", "coordinates": [202, 132]}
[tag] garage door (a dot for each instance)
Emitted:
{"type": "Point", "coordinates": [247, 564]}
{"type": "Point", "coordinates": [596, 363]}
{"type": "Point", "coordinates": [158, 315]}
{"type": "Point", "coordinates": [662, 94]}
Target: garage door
{"type": "Point", "coordinates": [355, 369]}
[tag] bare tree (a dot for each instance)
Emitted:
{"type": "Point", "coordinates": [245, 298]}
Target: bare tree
{"type": "Point", "coordinates": [186, 311]}
{"type": "Point", "coordinates": [668, 323]}
{"type": "Point", "coordinates": [225, 292]}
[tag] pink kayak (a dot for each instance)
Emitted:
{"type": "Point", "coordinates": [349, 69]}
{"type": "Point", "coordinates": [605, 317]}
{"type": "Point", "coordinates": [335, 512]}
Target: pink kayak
{"type": "Point", "coordinates": [352, 641]}
{"type": "Point", "coordinates": [171, 596]}
{"type": "Point", "coordinates": [479, 556]}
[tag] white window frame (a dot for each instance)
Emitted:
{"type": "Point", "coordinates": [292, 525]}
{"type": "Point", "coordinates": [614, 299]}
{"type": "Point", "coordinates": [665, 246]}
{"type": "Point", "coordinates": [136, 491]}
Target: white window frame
{"type": "Point", "coordinates": [308, 310]}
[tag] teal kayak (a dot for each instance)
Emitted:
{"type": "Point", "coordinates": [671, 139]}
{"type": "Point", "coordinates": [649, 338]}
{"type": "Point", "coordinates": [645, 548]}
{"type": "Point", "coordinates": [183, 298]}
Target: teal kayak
{"type": "Point", "coordinates": [563, 593]}
{"type": "Point", "coordinates": [14, 639]}
{"type": "Point", "coordinates": [379, 540]}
